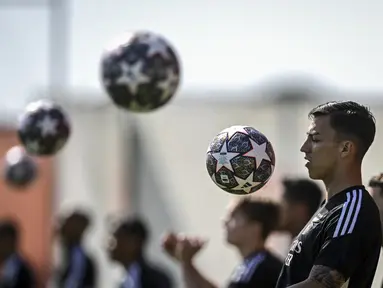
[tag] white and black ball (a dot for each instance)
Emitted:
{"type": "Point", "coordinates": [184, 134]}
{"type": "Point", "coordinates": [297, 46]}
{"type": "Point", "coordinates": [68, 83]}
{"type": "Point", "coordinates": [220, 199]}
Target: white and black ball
{"type": "Point", "coordinates": [240, 160]}
{"type": "Point", "coordinates": [19, 170]}
{"type": "Point", "coordinates": [140, 71]}
{"type": "Point", "coordinates": [43, 128]}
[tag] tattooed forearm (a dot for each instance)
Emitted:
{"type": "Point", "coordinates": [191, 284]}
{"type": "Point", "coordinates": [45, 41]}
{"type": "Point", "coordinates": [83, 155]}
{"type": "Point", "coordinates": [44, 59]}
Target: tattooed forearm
{"type": "Point", "coordinates": [327, 277]}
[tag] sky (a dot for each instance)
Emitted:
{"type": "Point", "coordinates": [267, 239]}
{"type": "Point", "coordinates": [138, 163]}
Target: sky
{"type": "Point", "coordinates": [222, 44]}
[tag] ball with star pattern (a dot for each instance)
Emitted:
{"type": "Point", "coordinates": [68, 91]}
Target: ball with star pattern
{"type": "Point", "coordinates": [43, 128]}
{"type": "Point", "coordinates": [140, 71]}
{"type": "Point", "coordinates": [19, 170]}
{"type": "Point", "coordinates": [240, 160]}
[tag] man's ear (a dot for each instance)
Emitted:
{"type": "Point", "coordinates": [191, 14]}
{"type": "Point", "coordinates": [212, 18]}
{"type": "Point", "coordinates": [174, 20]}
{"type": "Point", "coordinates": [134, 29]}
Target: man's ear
{"type": "Point", "coordinates": [302, 210]}
{"type": "Point", "coordinates": [347, 148]}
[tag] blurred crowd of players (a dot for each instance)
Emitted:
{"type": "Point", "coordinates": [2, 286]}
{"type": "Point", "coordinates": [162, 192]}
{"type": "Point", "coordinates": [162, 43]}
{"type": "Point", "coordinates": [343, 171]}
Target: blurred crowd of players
{"type": "Point", "coordinates": [248, 224]}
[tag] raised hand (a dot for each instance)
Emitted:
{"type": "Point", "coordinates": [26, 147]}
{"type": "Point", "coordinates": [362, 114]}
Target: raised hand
{"type": "Point", "coordinates": [182, 248]}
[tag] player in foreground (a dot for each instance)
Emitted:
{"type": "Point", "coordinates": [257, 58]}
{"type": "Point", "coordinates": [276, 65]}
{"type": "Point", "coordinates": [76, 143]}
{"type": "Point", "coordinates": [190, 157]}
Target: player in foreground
{"type": "Point", "coordinates": [341, 243]}
{"type": "Point", "coordinates": [248, 224]}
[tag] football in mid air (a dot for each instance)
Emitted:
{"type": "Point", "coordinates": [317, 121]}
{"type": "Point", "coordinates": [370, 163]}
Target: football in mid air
{"type": "Point", "coordinates": [140, 71]}
{"type": "Point", "coordinates": [43, 128]}
{"type": "Point", "coordinates": [19, 169]}
{"type": "Point", "coordinates": [240, 160]}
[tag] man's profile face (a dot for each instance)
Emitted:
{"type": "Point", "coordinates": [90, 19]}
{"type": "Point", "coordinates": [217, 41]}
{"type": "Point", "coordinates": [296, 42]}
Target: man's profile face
{"type": "Point", "coordinates": [122, 246]}
{"type": "Point", "coordinates": [294, 215]}
{"type": "Point", "coordinates": [287, 215]}
{"type": "Point", "coordinates": [321, 148]}
{"type": "Point", "coordinates": [66, 231]}
{"type": "Point", "coordinates": [238, 228]}
{"type": "Point", "coordinates": [235, 225]}
{"type": "Point", "coordinates": [114, 246]}
{"type": "Point", "coordinates": [7, 245]}
{"type": "Point", "coordinates": [72, 229]}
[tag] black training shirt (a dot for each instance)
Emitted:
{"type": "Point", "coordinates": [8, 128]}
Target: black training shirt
{"type": "Point", "coordinates": [259, 270]}
{"type": "Point", "coordinates": [344, 234]}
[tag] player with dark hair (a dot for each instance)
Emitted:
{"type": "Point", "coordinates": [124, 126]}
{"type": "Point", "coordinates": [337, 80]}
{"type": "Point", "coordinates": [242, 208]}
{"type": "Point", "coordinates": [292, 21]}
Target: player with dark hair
{"type": "Point", "coordinates": [78, 269]}
{"type": "Point", "coordinates": [301, 198]}
{"type": "Point", "coordinates": [248, 224]}
{"type": "Point", "coordinates": [15, 271]}
{"type": "Point", "coordinates": [341, 243]}
{"type": "Point", "coordinates": [127, 247]}
{"type": "Point", "coordinates": [376, 189]}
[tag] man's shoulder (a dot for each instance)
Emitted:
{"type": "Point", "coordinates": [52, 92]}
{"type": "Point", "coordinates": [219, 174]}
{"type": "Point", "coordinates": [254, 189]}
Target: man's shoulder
{"type": "Point", "coordinates": [26, 274]}
{"type": "Point", "coordinates": [356, 203]}
{"type": "Point", "coordinates": [267, 273]}
{"type": "Point", "coordinates": [26, 266]}
{"type": "Point", "coordinates": [156, 272]}
{"type": "Point", "coordinates": [263, 269]}
{"type": "Point", "coordinates": [353, 214]}
{"type": "Point", "coordinates": [272, 262]}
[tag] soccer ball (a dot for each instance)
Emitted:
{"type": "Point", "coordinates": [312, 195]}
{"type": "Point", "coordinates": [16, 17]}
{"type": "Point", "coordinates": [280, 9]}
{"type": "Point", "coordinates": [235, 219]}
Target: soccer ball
{"type": "Point", "coordinates": [240, 160]}
{"type": "Point", "coordinates": [19, 169]}
{"type": "Point", "coordinates": [43, 128]}
{"type": "Point", "coordinates": [140, 71]}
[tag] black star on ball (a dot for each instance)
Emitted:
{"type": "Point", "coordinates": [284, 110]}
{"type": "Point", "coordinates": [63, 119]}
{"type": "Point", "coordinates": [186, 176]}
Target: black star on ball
{"type": "Point", "coordinates": [140, 71]}
{"type": "Point", "coordinates": [43, 128]}
{"type": "Point", "coordinates": [19, 170]}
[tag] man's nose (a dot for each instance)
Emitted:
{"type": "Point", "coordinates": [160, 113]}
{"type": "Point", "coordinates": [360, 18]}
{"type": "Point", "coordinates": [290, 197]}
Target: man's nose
{"type": "Point", "coordinates": [305, 147]}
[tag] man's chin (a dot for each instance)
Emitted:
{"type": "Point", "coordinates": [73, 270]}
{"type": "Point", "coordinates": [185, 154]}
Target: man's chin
{"type": "Point", "coordinates": [282, 229]}
{"type": "Point", "coordinates": [112, 257]}
{"type": "Point", "coordinates": [313, 175]}
{"type": "Point", "coordinates": [230, 241]}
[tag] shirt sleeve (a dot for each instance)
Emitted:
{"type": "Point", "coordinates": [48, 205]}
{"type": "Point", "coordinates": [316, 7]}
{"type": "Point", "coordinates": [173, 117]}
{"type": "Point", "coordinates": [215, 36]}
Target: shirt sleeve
{"type": "Point", "coordinates": [344, 239]}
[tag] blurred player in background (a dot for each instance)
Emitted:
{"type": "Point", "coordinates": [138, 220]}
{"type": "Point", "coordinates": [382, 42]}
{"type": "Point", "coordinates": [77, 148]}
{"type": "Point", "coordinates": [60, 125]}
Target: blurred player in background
{"type": "Point", "coordinates": [301, 198]}
{"type": "Point", "coordinates": [376, 190]}
{"type": "Point", "coordinates": [78, 268]}
{"type": "Point", "coordinates": [341, 243]}
{"type": "Point", "coordinates": [248, 224]}
{"type": "Point", "coordinates": [15, 270]}
{"type": "Point", "coordinates": [127, 247]}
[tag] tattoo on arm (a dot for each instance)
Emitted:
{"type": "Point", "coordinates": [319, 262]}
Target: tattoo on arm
{"type": "Point", "coordinates": [327, 277]}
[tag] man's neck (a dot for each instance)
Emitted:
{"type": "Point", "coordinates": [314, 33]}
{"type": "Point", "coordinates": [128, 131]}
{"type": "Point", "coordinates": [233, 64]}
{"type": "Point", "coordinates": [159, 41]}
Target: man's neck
{"type": "Point", "coordinates": [5, 258]}
{"type": "Point", "coordinates": [342, 180]}
{"type": "Point", "coordinates": [70, 246]}
{"type": "Point", "coordinates": [247, 250]}
{"type": "Point", "coordinates": [131, 260]}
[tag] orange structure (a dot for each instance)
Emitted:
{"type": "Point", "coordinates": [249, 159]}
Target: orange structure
{"type": "Point", "coordinates": [32, 207]}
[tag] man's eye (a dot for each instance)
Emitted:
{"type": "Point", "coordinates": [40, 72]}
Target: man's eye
{"type": "Point", "coordinates": [314, 140]}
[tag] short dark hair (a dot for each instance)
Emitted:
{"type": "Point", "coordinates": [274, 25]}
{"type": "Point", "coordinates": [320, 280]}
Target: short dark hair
{"type": "Point", "coordinates": [261, 211]}
{"type": "Point", "coordinates": [377, 181]}
{"type": "Point", "coordinates": [134, 226]}
{"type": "Point", "coordinates": [303, 191]}
{"type": "Point", "coordinates": [349, 119]}
{"type": "Point", "coordinates": [9, 229]}
{"type": "Point", "coordinates": [80, 215]}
